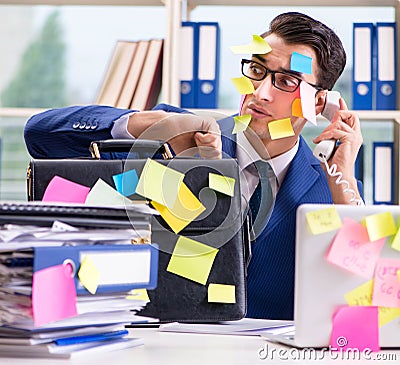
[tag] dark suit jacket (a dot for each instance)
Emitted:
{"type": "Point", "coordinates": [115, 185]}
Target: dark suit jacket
{"type": "Point", "coordinates": [68, 132]}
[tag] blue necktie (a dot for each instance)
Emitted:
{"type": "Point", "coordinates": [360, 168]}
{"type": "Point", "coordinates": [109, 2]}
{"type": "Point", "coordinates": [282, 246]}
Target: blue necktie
{"type": "Point", "coordinates": [262, 200]}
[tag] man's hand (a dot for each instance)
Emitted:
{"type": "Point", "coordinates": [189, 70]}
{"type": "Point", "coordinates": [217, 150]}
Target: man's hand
{"type": "Point", "coordinates": [188, 134]}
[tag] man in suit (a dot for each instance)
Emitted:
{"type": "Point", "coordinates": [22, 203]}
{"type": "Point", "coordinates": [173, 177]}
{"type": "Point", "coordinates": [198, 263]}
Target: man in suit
{"type": "Point", "coordinates": [299, 176]}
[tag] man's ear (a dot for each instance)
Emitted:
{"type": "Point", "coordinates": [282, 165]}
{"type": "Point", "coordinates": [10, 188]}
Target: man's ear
{"type": "Point", "coordinates": [320, 99]}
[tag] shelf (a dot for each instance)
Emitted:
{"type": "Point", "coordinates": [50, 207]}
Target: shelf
{"type": "Point", "coordinates": [84, 2]}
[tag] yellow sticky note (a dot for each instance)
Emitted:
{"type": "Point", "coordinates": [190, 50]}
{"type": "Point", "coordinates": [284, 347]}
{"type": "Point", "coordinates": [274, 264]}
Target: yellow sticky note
{"type": "Point", "coordinates": [241, 123]}
{"type": "Point", "coordinates": [362, 296]}
{"type": "Point", "coordinates": [323, 220]}
{"type": "Point", "coordinates": [103, 194]}
{"type": "Point", "coordinates": [280, 128]}
{"type": "Point", "coordinates": [398, 275]}
{"type": "Point", "coordinates": [221, 293]}
{"type": "Point", "coordinates": [138, 294]}
{"type": "Point", "coordinates": [191, 259]}
{"type": "Point", "coordinates": [88, 275]}
{"type": "Point", "coordinates": [297, 111]}
{"type": "Point", "coordinates": [186, 208]}
{"type": "Point", "coordinates": [159, 183]}
{"type": "Point", "coordinates": [396, 241]}
{"type": "Point", "coordinates": [243, 84]}
{"type": "Point", "coordinates": [223, 184]}
{"type": "Point", "coordinates": [258, 46]}
{"type": "Point", "coordinates": [380, 225]}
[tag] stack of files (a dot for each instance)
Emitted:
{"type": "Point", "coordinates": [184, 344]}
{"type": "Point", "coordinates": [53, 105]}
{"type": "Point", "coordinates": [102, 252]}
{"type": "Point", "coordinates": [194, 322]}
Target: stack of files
{"type": "Point", "coordinates": [133, 76]}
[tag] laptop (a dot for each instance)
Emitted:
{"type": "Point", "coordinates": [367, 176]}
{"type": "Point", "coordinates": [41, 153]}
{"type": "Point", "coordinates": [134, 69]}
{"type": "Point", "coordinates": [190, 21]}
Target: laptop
{"type": "Point", "coordinates": [320, 285]}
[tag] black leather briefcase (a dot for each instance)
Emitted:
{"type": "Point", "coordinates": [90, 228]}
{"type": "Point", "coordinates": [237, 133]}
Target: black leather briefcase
{"type": "Point", "coordinates": [221, 226]}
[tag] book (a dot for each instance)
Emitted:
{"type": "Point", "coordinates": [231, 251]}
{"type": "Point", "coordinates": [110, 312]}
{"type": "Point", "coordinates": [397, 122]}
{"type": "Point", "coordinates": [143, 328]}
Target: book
{"type": "Point", "coordinates": [149, 86]}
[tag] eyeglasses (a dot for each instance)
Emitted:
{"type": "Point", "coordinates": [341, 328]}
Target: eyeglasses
{"type": "Point", "coordinates": [282, 81]}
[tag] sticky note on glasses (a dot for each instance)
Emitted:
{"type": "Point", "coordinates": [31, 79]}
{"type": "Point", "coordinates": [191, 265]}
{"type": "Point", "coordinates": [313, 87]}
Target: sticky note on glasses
{"type": "Point", "coordinates": [223, 184]}
{"type": "Point", "coordinates": [258, 46]}
{"type": "Point", "coordinates": [296, 108]}
{"type": "Point", "coordinates": [301, 63]}
{"type": "Point", "coordinates": [243, 85]}
{"type": "Point", "coordinates": [241, 123]}
{"type": "Point", "coordinates": [281, 128]}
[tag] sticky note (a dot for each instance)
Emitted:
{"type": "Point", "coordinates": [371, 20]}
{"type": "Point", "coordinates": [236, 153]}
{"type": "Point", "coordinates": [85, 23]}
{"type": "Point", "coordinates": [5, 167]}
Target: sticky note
{"type": "Point", "coordinates": [139, 294]}
{"type": "Point", "coordinates": [301, 63]}
{"type": "Point", "coordinates": [185, 209]}
{"type": "Point", "coordinates": [355, 327]}
{"type": "Point", "coordinates": [88, 275]}
{"type": "Point", "coordinates": [296, 108]}
{"type": "Point", "coordinates": [243, 84]}
{"type": "Point", "coordinates": [192, 260]}
{"type": "Point", "coordinates": [65, 191]}
{"type": "Point", "coordinates": [352, 250]}
{"type": "Point", "coordinates": [126, 182]}
{"type": "Point", "coordinates": [323, 220]}
{"type": "Point", "coordinates": [386, 291]}
{"type": "Point", "coordinates": [104, 194]}
{"type": "Point", "coordinates": [258, 46]}
{"type": "Point", "coordinates": [307, 97]}
{"type": "Point", "coordinates": [53, 294]}
{"type": "Point", "coordinates": [398, 275]}
{"type": "Point", "coordinates": [280, 128]}
{"type": "Point", "coordinates": [159, 183]}
{"type": "Point", "coordinates": [241, 123]}
{"type": "Point", "coordinates": [223, 184]}
{"type": "Point", "coordinates": [395, 244]}
{"type": "Point", "coordinates": [362, 295]}
{"type": "Point", "coordinates": [380, 225]}
{"type": "Point", "coordinates": [221, 293]}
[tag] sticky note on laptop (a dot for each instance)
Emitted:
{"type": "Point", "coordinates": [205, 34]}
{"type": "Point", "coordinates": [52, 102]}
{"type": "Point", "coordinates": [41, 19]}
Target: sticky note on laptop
{"type": "Point", "coordinates": [323, 220]}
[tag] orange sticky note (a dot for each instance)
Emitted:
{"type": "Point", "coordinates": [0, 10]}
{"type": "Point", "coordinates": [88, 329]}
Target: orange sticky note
{"type": "Point", "coordinates": [281, 128]}
{"type": "Point", "coordinates": [243, 85]}
{"type": "Point", "coordinates": [296, 108]}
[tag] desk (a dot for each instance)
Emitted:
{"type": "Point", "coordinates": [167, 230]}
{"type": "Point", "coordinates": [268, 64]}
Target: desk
{"type": "Point", "coordinates": [194, 349]}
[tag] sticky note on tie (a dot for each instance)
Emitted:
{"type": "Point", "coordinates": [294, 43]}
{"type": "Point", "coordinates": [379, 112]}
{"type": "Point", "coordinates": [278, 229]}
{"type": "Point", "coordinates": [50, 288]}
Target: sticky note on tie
{"type": "Point", "coordinates": [65, 191]}
{"type": "Point", "coordinates": [323, 220]}
{"type": "Point", "coordinates": [223, 184]}
{"type": "Point", "coordinates": [352, 250]}
{"type": "Point", "coordinates": [53, 294]}
{"type": "Point", "coordinates": [139, 294]}
{"type": "Point", "coordinates": [241, 123]}
{"type": "Point", "coordinates": [362, 296]}
{"type": "Point", "coordinates": [296, 108]}
{"type": "Point", "coordinates": [104, 194]}
{"type": "Point", "coordinates": [192, 260]}
{"type": "Point", "coordinates": [185, 209]}
{"type": "Point", "coordinates": [307, 97]}
{"type": "Point", "coordinates": [258, 46]}
{"type": "Point", "coordinates": [221, 293]}
{"type": "Point", "coordinates": [126, 182]}
{"type": "Point", "coordinates": [355, 328]}
{"type": "Point", "coordinates": [380, 225]}
{"type": "Point", "coordinates": [159, 183]}
{"type": "Point", "coordinates": [243, 85]}
{"type": "Point", "coordinates": [386, 291]}
{"type": "Point", "coordinates": [301, 63]}
{"type": "Point", "coordinates": [281, 128]}
{"type": "Point", "coordinates": [88, 275]}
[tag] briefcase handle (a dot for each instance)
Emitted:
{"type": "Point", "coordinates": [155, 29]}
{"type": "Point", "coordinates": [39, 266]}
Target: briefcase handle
{"type": "Point", "coordinates": [141, 146]}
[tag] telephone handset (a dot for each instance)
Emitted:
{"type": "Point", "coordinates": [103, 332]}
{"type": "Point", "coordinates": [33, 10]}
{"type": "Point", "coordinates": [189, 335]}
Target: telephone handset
{"type": "Point", "coordinates": [324, 150]}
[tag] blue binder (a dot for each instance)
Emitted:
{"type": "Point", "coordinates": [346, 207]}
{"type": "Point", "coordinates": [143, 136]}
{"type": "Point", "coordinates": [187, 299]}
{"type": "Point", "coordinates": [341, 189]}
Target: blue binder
{"type": "Point", "coordinates": [188, 64]}
{"type": "Point", "coordinates": [386, 66]}
{"type": "Point", "coordinates": [121, 267]}
{"type": "Point", "coordinates": [208, 65]}
{"type": "Point", "coordinates": [383, 173]}
{"type": "Point", "coordinates": [363, 35]}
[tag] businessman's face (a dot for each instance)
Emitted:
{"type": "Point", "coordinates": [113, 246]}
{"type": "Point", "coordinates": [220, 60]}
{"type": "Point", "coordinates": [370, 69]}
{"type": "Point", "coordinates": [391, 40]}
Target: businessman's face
{"type": "Point", "coordinates": [268, 103]}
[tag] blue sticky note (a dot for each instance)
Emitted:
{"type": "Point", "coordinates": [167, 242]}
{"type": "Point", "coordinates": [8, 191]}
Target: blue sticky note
{"type": "Point", "coordinates": [301, 63]}
{"type": "Point", "coordinates": [126, 182]}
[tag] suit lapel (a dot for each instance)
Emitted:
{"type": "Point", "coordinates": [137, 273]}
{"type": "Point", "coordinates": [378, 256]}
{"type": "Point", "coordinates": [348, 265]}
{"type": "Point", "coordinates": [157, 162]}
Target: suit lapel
{"type": "Point", "coordinates": [228, 139]}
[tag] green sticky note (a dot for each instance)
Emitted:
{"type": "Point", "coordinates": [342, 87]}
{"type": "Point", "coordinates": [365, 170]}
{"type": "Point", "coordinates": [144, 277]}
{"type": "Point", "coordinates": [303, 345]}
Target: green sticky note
{"type": "Point", "coordinates": [221, 293]}
{"type": "Point", "coordinates": [380, 225]}
{"type": "Point", "coordinates": [223, 184]}
{"type": "Point", "coordinates": [103, 194]}
{"type": "Point", "coordinates": [241, 123]}
{"type": "Point", "coordinates": [159, 183]}
{"type": "Point", "coordinates": [192, 260]}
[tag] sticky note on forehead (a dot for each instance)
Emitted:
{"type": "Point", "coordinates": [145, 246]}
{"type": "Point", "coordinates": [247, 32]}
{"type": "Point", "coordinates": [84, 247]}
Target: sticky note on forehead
{"type": "Point", "coordinates": [301, 63]}
{"type": "Point", "coordinates": [258, 46]}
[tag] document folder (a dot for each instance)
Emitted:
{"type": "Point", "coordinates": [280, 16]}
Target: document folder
{"type": "Point", "coordinates": [383, 173]}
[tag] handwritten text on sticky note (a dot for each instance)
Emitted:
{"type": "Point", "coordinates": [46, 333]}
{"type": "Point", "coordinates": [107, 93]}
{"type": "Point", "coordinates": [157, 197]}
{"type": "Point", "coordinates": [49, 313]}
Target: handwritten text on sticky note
{"type": "Point", "coordinates": [386, 285]}
{"type": "Point", "coordinates": [323, 220]}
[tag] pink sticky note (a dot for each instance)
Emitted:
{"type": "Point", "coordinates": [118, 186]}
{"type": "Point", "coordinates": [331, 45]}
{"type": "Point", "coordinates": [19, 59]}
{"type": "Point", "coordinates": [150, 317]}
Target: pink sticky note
{"type": "Point", "coordinates": [386, 291]}
{"type": "Point", "coordinates": [307, 96]}
{"type": "Point", "coordinates": [352, 250]}
{"type": "Point", "coordinates": [355, 327]}
{"type": "Point", "coordinates": [63, 190]}
{"type": "Point", "coordinates": [53, 294]}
